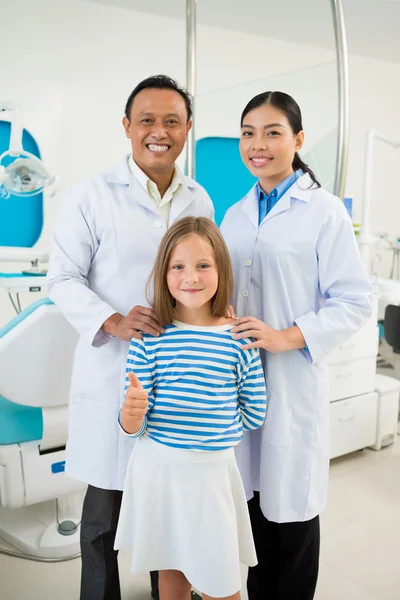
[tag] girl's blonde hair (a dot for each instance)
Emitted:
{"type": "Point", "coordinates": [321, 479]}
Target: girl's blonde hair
{"type": "Point", "coordinates": [162, 301]}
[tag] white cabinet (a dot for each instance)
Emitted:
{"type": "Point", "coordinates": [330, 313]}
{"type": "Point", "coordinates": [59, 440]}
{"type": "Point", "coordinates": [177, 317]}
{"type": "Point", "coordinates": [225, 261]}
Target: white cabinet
{"type": "Point", "coordinates": [353, 423]}
{"type": "Point", "coordinates": [353, 399]}
{"type": "Point", "coordinates": [352, 378]}
{"type": "Point", "coordinates": [362, 345]}
{"type": "Point", "coordinates": [388, 411]}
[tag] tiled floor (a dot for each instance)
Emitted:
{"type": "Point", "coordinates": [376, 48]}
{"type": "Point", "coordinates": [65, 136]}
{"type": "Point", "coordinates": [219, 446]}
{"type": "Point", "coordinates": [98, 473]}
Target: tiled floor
{"type": "Point", "coordinates": [360, 554]}
{"type": "Point", "coordinates": [360, 551]}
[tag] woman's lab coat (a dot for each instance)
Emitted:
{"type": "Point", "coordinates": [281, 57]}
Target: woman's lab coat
{"type": "Point", "coordinates": [302, 267]}
{"type": "Point", "coordinates": [104, 246]}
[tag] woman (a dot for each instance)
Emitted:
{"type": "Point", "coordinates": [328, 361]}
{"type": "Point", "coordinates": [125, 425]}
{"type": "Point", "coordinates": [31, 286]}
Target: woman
{"type": "Point", "coordinates": [298, 271]}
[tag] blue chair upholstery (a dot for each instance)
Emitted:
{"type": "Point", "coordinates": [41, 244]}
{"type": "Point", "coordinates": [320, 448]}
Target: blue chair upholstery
{"type": "Point", "coordinates": [216, 156]}
{"type": "Point", "coordinates": [19, 423]}
{"type": "Point", "coordinates": [23, 315]}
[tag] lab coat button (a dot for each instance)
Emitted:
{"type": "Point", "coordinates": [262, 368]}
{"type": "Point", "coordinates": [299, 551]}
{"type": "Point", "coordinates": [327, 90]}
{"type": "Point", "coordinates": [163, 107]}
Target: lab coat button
{"type": "Point", "coordinates": [245, 293]}
{"type": "Point", "coordinates": [247, 262]}
{"type": "Point", "coordinates": [157, 223]}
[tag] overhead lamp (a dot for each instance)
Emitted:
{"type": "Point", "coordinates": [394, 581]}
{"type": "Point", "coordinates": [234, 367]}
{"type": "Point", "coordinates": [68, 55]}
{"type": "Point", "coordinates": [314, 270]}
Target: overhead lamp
{"type": "Point", "coordinates": [21, 173]}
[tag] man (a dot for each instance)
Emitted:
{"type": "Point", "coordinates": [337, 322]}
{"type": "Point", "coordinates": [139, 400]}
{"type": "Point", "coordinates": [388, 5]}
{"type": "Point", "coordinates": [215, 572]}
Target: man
{"type": "Point", "coordinates": [104, 245]}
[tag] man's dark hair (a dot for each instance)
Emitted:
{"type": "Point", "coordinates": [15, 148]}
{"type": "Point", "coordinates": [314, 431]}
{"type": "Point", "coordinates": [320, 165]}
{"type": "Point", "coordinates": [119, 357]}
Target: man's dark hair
{"type": "Point", "coordinates": [159, 82]}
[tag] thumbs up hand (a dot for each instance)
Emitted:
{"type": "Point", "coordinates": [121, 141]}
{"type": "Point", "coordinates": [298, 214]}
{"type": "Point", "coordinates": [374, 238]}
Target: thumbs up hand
{"type": "Point", "coordinates": [135, 405]}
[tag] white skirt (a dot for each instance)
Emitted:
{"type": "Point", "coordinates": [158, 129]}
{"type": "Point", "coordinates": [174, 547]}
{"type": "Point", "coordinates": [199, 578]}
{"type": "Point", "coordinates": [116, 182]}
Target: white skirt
{"type": "Point", "coordinates": [186, 511]}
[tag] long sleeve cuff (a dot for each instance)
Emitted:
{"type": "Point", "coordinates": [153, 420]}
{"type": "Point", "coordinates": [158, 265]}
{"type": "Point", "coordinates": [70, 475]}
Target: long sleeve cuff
{"type": "Point", "coordinates": [133, 435]}
{"type": "Point", "coordinates": [309, 323]}
{"type": "Point", "coordinates": [97, 336]}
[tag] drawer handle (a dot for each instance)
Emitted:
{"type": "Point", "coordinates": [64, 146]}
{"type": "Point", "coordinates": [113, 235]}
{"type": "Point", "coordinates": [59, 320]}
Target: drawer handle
{"type": "Point", "coordinates": [347, 347]}
{"type": "Point", "coordinates": [344, 376]}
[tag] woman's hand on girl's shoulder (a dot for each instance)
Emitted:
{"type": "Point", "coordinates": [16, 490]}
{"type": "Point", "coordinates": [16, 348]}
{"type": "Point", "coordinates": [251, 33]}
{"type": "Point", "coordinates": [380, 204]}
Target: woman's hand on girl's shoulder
{"type": "Point", "coordinates": [265, 336]}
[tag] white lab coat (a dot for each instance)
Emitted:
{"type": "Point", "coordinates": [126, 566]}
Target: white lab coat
{"type": "Point", "coordinates": [104, 246]}
{"type": "Point", "coordinates": [300, 266]}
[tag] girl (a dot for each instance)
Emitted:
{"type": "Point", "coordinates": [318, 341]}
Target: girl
{"type": "Point", "coordinates": [298, 271]}
{"type": "Point", "coordinates": [191, 393]}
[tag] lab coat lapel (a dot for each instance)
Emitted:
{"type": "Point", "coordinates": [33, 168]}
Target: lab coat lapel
{"type": "Point", "coordinates": [250, 206]}
{"type": "Point", "coordinates": [121, 174]}
{"type": "Point", "coordinates": [300, 190]}
{"type": "Point", "coordinates": [138, 193]}
{"type": "Point", "coordinates": [281, 206]}
{"type": "Point", "coordinates": [181, 200]}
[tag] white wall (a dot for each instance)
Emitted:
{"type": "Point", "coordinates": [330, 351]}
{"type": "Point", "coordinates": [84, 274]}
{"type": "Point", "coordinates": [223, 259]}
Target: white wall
{"type": "Point", "coordinates": [82, 61]}
{"type": "Point", "coordinates": [72, 64]}
{"type": "Point", "coordinates": [375, 101]}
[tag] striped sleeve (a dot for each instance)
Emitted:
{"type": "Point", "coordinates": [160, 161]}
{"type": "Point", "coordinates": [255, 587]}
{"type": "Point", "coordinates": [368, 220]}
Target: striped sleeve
{"type": "Point", "coordinates": [137, 361]}
{"type": "Point", "coordinates": [252, 391]}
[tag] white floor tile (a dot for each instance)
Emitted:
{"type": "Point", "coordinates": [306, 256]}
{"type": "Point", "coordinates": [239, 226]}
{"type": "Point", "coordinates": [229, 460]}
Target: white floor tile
{"type": "Point", "coordinates": [350, 500]}
{"type": "Point", "coordinates": [365, 545]}
{"type": "Point", "coordinates": [334, 586]}
{"type": "Point", "coordinates": [27, 580]}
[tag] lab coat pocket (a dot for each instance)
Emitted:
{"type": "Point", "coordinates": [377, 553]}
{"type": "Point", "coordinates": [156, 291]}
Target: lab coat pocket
{"type": "Point", "coordinates": [277, 424]}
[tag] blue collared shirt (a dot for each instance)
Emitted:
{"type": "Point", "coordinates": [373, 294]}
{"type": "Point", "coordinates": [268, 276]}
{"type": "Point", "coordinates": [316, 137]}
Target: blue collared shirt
{"type": "Point", "coordinates": [267, 202]}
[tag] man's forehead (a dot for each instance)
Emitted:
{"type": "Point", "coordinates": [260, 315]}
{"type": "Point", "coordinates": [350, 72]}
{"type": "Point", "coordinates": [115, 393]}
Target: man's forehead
{"type": "Point", "coordinates": [150, 113]}
{"type": "Point", "coordinates": [159, 101]}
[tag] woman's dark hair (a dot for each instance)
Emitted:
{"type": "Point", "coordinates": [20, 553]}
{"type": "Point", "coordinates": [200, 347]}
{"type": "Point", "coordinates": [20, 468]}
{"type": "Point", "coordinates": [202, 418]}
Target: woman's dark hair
{"type": "Point", "coordinates": [160, 82]}
{"type": "Point", "coordinates": [289, 107]}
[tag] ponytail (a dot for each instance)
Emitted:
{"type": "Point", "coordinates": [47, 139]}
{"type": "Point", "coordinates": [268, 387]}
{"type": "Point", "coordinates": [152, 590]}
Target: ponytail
{"type": "Point", "coordinates": [299, 164]}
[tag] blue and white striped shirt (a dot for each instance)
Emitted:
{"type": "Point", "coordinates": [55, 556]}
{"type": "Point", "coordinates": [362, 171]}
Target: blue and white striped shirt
{"type": "Point", "coordinates": [204, 389]}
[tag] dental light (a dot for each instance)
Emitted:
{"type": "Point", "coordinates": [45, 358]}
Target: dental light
{"type": "Point", "coordinates": [21, 173]}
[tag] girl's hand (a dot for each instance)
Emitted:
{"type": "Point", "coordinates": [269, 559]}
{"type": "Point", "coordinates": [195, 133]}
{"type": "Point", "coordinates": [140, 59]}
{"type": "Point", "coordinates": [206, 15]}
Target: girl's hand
{"type": "Point", "coordinates": [135, 405]}
{"type": "Point", "coordinates": [267, 338]}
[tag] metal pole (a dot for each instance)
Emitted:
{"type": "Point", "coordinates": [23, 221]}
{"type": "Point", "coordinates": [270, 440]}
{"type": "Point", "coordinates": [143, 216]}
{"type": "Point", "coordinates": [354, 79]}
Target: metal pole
{"type": "Point", "coordinates": [343, 89]}
{"type": "Point", "coordinates": [191, 80]}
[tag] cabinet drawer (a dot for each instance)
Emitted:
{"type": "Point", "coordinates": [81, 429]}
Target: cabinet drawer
{"type": "Point", "coordinates": [365, 343]}
{"type": "Point", "coordinates": [353, 424]}
{"type": "Point", "coordinates": [352, 378]}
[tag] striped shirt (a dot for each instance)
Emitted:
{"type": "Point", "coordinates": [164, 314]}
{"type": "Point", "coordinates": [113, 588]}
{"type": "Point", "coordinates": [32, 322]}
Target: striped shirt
{"type": "Point", "coordinates": [204, 389]}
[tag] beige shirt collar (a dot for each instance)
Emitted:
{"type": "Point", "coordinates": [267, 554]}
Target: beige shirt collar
{"type": "Point", "coordinates": [151, 188]}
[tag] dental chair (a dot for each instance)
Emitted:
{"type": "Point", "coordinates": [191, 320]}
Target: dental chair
{"type": "Point", "coordinates": [40, 507]}
{"type": "Point", "coordinates": [36, 353]}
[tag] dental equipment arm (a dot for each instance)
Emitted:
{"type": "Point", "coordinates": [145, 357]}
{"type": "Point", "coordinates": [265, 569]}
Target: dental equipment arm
{"type": "Point", "coordinates": [16, 126]}
{"type": "Point", "coordinates": [14, 254]}
{"type": "Point", "coordinates": [14, 283]}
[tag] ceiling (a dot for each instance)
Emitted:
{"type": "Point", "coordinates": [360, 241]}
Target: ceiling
{"type": "Point", "coordinates": [373, 26]}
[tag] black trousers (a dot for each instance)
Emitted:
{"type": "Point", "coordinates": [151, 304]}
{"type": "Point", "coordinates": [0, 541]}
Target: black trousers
{"type": "Point", "coordinates": [100, 577]}
{"type": "Point", "coordinates": [288, 557]}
